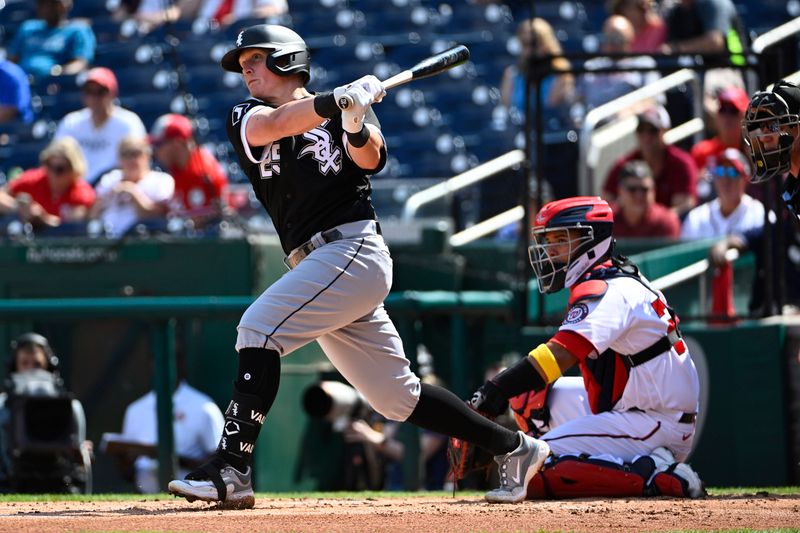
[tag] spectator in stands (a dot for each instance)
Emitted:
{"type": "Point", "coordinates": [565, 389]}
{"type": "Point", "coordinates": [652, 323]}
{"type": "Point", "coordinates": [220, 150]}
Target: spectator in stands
{"type": "Point", "coordinates": [650, 30]}
{"type": "Point", "coordinates": [732, 211]}
{"type": "Point", "coordinates": [197, 429]}
{"type": "Point", "coordinates": [101, 125]}
{"type": "Point", "coordinates": [636, 213]}
{"type": "Point", "coordinates": [597, 89]}
{"type": "Point", "coordinates": [15, 94]}
{"type": "Point", "coordinates": [708, 27]}
{"type": "Point", "coordinates": [730, 108]}
{"type": "Point", "coordinates": [54, 193]}
{"type": "Point", "coordinates": [537, 39]}
{"type": "Point", "coordinates": [153, 13]}
{"type": "Point", "coordinates": [731, 105]}
{"type": "Point", "coordinates": [201, 186]}
{"type": "Point", "coordinates": [134, 192]}
{"type": "Point", "coordinates": [673, 169]}
{"type": "Point", "coordinates": [52, 44]}
{"type": "Point", "coordinates": [226, 12]}
{"type": "Point", "coordinates": [701, 27]}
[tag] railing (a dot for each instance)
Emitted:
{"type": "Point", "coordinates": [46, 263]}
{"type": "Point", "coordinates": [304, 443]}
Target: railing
{"type": "Point", "coordinates": [465, 179]}
{"type": "Point", "coordinates": [775, 35]}
{"type": "Point", "coordinates": [610, 109]}
{"type": "Point", "coordinates": [695, 270]}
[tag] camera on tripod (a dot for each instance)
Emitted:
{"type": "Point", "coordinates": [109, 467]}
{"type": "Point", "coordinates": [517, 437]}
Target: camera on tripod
{"type": "Point", "coordinates": [336, 402]}
{"type": "Point", "coordinates": [43, 425]}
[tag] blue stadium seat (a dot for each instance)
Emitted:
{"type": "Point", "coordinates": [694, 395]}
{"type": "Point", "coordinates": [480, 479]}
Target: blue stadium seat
{"type": "Point", "coordinates": [91, 9]}
{"type": "Point", "coordinates": [118, 53]}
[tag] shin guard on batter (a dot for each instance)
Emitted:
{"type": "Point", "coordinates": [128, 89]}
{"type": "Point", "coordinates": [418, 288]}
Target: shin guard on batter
{"type": "Point", "coordinates": [581, 477]}
{"type": "Point", "coordinates": [243, 420]}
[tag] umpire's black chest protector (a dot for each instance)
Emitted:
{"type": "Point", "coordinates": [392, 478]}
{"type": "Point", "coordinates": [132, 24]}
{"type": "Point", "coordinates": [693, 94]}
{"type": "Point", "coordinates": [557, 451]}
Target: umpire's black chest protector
{"type": "Point", "coordinates": [307, 183]}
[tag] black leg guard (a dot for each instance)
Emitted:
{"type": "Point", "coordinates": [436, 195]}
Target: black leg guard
{"type": "Point", "coordinates": [254, 392]}
{"type": "Point", "coordinates": [243, 419]}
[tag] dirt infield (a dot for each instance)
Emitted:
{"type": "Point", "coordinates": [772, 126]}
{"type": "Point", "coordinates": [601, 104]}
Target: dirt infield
{"type": "Point", "coordinates": [428, 514]}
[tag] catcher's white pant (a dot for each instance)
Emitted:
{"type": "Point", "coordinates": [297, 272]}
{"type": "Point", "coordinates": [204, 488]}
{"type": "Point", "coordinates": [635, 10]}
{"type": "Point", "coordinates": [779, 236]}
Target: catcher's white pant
{"type": "Point", "coordinates": [623, 435]}
{"type": "Point", "coordinates": [335, 296]}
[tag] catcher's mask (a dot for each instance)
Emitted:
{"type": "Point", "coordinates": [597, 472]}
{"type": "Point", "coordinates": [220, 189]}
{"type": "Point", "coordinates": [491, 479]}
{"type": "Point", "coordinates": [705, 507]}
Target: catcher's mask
{"type": "Point", "coordinates": [769, 130]}
{"type": "Point", "coordinates": [289, 53]}
{"type": "Point", "coordinates": [569, 237]}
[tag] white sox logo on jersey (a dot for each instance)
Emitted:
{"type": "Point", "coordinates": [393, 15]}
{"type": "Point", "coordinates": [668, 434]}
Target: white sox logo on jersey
{"type": "Point", "coordinates": [323, 151]}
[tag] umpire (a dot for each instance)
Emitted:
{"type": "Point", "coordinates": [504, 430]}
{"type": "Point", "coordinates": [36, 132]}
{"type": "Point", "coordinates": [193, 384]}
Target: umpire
{"type": "Point", "coordinates": [309, 165]}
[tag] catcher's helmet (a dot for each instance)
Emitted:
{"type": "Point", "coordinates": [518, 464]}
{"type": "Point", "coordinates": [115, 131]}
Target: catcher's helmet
{"type": "Point", "coordinates": [289, 51]}
{"type": "Point", "coordinates": [769, 129]}
{"type": "Point", "coordinates": [570, 236]}
{"type": "Point", "coordinates": [28, 339]}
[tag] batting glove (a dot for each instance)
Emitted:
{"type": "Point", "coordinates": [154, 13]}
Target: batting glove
{"type": "Point", "coordinates": [353, 117]}
{"type": "Point", "coordinates": [370, 84]}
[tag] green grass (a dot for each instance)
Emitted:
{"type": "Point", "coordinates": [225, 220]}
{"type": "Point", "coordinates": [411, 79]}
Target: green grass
{"type": "Point", "coordinates": [365, 495]}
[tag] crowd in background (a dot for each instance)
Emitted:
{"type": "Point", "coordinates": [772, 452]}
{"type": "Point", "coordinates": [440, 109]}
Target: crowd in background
{"type": "Point", "coordinates": [105, 173]}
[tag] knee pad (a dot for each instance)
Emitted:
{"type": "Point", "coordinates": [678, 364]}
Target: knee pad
{"type": "Point", "coordinates": [581, 477]}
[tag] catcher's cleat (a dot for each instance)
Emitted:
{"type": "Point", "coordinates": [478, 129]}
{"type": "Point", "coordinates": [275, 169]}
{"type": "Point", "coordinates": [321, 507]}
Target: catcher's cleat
{"type": "Point", "coordinates": [219, 482]}
{"type": "Point", "coordinates": [517, 468]}
{"type": "Point", "coordinates": [691, 484]}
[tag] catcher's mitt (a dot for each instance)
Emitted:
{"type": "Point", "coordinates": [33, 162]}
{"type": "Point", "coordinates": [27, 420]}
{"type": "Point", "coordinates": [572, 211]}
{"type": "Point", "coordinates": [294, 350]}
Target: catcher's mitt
{"type": "Point", "coordinates": [464, 456]}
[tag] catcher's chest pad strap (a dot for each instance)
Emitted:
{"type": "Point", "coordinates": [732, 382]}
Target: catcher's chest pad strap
{"type": "Point", "coordinates": [581, 477]}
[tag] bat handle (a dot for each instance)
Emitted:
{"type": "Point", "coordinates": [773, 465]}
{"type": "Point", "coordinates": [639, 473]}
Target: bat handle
{"type": "Point", "coordinates": [344, 102]}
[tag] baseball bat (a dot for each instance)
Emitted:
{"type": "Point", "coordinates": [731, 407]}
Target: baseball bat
{"type": "Point", "coordinates": [427, 67]}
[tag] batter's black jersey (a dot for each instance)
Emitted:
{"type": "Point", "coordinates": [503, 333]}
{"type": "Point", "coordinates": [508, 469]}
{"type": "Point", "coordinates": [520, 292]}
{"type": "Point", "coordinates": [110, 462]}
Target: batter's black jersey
{"type": "Point", "coordinates": [307, 183]}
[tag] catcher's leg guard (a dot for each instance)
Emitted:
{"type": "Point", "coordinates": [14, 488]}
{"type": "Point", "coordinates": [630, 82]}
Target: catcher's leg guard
{"type": "Point", "coordinates": [582, 477]}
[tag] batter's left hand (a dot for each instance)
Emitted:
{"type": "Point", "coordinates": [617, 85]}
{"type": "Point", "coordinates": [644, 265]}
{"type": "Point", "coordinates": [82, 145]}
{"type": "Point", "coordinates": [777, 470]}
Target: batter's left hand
{"type": "Point", "coordinates": [353, 117]}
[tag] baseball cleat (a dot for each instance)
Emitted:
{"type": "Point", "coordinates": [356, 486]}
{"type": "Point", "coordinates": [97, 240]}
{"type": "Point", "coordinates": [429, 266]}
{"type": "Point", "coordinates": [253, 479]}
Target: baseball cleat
{"type": "Point", "coordinates": [517, 468]}
{"type": "Point", "coordinates": [665, 461]}
{"type": "Point", "coordinates": [217, 482]}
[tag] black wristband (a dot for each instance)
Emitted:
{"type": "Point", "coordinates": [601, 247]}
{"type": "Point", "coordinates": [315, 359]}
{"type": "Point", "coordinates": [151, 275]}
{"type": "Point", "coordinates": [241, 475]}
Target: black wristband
{"type": "Point", "coordinates": [325, 105]}
{"type": "Point", "coordinates": [357, 140]}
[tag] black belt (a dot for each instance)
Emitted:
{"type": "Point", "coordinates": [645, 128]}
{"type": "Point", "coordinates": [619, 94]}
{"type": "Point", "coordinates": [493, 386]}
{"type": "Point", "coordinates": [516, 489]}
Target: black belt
{"type": "Point", "coordinates": [302, 251]}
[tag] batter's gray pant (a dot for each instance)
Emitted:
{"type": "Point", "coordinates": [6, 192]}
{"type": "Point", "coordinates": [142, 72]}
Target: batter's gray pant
{"type": "Point", "coordinates": [335, 296]}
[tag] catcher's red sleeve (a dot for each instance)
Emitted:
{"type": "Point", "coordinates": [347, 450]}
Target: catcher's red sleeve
{"type": "Point", "coordinates": [579, 346]}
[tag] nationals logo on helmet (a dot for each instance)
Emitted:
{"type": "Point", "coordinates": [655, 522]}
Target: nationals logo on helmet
{"type": "Point", "coordinates": [576, 313]}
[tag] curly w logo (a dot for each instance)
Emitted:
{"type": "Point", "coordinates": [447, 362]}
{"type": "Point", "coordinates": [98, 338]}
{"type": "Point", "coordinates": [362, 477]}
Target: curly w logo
{"type": "Point", "coordinates": [323, 151]}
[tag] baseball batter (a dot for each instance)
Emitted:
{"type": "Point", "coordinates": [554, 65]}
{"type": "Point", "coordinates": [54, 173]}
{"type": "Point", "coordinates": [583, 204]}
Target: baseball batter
{"type": "Point", "coordinates": [639, 392]}
{"type": "Point", "coordinates": [309, 165]}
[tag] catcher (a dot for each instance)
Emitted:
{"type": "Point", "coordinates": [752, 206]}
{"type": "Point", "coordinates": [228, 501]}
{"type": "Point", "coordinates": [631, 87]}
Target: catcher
{"type": "Point", "coordinates": [622, 429]}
